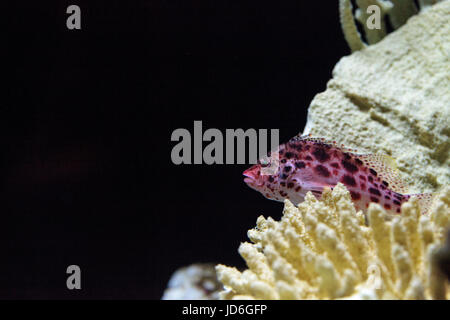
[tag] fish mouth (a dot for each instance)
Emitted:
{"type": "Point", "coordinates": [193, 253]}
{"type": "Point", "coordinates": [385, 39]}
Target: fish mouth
{"type": "Point", "coordinates": [250, 179]}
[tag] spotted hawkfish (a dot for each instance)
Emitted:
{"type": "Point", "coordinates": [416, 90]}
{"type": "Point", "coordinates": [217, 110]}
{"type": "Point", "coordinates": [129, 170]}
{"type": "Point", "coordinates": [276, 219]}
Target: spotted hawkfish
{"type": "Point", "coordinates": [311, 164]}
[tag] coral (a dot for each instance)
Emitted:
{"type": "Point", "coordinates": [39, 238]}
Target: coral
{"type": "Point", "coordinates": [443, 257]}
{"type": "Point", "coordinates": [393, 98]}
{"type": "Point", "coordinates": [325, 250]}
{"type": "Point", "coordinates": [397, 11]}
{"type": "Point", "coordinates": [194, 282]}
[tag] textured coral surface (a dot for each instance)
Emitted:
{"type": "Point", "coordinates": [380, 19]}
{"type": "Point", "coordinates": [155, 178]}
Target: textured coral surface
{"type": "Point", "coordinates": [324, 250]}
{"type": "Point", "coordinates": [393, 97]}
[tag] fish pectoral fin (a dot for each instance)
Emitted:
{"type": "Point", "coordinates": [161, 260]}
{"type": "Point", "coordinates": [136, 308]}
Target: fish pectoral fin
{"type": "Point", "coordinates": [317, 189]}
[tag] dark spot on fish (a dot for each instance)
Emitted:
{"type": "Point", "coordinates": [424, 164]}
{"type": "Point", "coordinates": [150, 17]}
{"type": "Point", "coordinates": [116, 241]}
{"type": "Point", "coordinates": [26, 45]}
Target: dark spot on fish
{"type": "Point", "coordinates": [284, 176]}
{"type": "Point", "coordinates": [382, 186]}
{"type": "Point", "coordinates": [355, 195]}
{"type": "Point", "coordinates": [374, 191]}
{"type": "Point", "coordinates": [398, 210]}
{"type": "Point", "coordinates": [283, 161]}
{"type": "Point", "coordinates": [396, 202]}
{"type": "Point", "coordinates": [283, 184]}
{"type": "Point", "coordinates": [321, 155]}
{"type": "Point", "coordinates": [307, 147]}
{"type": "Point", "coordinates": [347, 156]}
{"type": "Point", "coordinates": [297, 147]}
{"type": "Point", "coordinates": [363, 186]}
{"type": "Point", "coordinates": [358, 162]}
{"type": "Point", "coordinates": [387, 206]}
{"type": "Point", "coordinates": [289, 154]}
{"type": "Point", "coordinates": [387, 197]}
{"type": "Point", "coordinates": [370, 178]}
{"type": "Point", "coordinates": [385, 183]}
{"type": "Point", "coordinates": [271, 179]}
{"type": "Point", "coordinates": [373, 172]}
{"type": "Point", "coordinates": [300, 164]}
{"type": "Point", "coordinates": [323, 171]}
{"type": "Point", "coordinates": [283, 194]}
{"type": "Point", "coordinates": [349, 181]}
{"type": "Point", "coordinates": [335, 165]}
{"type": "Point", "coordinates": [287, 168]}
{"type": "Point", "coordinates": [290, 185]}
{"type": "Point", "coordinates": [298, 189]}
{"type": "Point", "coordinates": [362, 178]}
{"type": "Point", "coordinates": [350, 167]}
{"type": "Point", "coordinates": [308, 158]}
{"type": "Point", "coordinates": [398, 196]}
{"type": "Point", "coordinates": [316, 192]}
{"type": "Point", "coordinates": [373, 199]}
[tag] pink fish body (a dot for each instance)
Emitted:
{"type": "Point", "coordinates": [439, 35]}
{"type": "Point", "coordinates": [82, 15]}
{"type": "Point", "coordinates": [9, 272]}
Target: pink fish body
{"type": "Point", "coordinates": [309, 164]}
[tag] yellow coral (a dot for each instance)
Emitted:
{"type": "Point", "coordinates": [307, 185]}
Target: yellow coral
{"type": "Point", "coordinates": [324, 249]}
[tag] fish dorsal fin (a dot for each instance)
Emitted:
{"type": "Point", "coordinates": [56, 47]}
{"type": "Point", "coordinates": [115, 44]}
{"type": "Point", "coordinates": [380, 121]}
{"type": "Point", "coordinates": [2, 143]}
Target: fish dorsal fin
{"type": "Point", "coordinates": [309, 138]}
{"type": "Point", "coordinates": [386, 169]}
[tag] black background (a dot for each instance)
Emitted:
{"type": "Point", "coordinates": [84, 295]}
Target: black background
{"type": "Point", "coordinates": [86, 173]}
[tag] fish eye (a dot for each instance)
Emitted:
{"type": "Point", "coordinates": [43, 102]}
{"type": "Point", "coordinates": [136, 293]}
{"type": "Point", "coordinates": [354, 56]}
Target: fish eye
{"type": "Point", "coordinates": [263, 162]}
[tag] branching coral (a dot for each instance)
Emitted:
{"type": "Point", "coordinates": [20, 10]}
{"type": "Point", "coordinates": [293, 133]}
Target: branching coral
{"type": "Point", "coordinates": [325, 250]}
{"type": "Point", "coordinates": [443, 257]}
{"type": "Point", "coordinates": [397, 11]}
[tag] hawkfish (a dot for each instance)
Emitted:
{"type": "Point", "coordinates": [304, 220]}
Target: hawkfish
{"type": "Point", "coordinates": [307, 164]}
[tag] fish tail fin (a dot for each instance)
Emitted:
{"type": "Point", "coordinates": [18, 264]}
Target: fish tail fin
{"type": "Point", "coordinates": [425, 201]}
